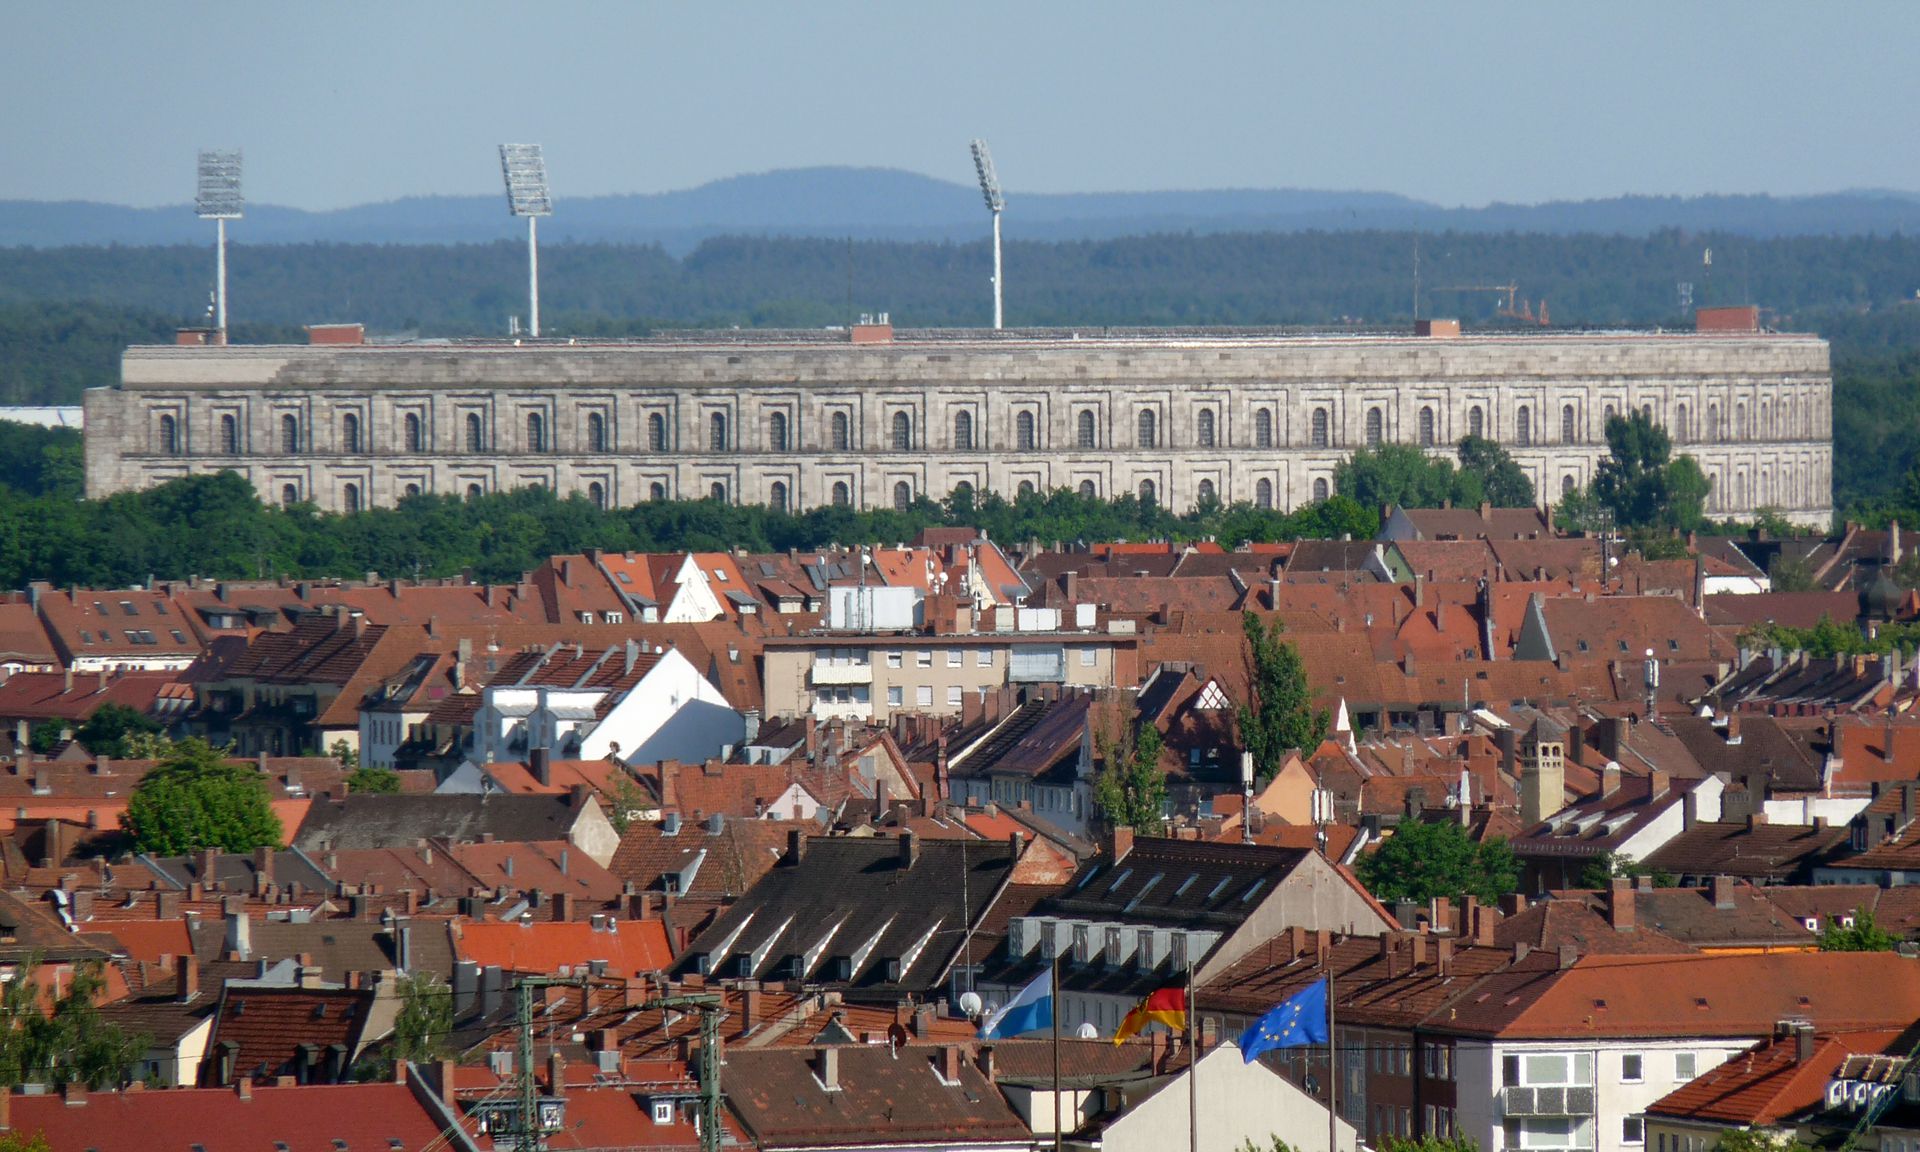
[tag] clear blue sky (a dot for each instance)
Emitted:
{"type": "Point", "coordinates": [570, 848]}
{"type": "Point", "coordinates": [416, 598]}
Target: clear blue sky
{"type": "Point", "coordinates": [340, 103]}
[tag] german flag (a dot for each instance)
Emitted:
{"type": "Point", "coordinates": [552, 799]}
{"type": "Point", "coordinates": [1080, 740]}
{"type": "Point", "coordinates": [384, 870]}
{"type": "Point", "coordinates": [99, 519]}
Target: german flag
{"type": "Point", "coordinates": [1167, 1006]}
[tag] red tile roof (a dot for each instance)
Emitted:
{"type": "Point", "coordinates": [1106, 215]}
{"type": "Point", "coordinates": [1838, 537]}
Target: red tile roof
{"type": "Point", "coordinates": [311, 1118]}
{"type": "Point", "coordinates": [629, 948]}
{"type": "Point", "coordinates": [1768, 1084]}
{"type": "Point", "coordinates": [269, 1024]}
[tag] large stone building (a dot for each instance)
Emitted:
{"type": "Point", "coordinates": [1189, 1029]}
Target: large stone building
{"type": "Point", "coordinates": [804, 419]}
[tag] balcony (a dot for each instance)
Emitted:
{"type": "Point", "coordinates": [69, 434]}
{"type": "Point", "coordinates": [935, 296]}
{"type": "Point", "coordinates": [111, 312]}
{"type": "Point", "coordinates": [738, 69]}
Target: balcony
{"type": "Point", "coordinates": [1559, 1100]}
{"type": "Point", "coordinates": [842, 672]}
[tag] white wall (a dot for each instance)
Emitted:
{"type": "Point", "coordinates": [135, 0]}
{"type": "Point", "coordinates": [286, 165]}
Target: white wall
{"type": "Point", "coordinates": [1478, 1066]}
{"type": "Point", "coordinates": [673, 713]}
{"type": "Point", "coordinates": [1237, 1102]}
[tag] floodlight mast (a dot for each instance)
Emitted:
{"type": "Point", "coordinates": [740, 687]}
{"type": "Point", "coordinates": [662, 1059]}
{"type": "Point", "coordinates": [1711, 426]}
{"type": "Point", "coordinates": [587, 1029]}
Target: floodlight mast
{"type": "Point", "coordinates": [990, 191]}
{"type": "Point", "coordinates": [525, 171]}
{"type": "Point", "coordinates": [217, 198]}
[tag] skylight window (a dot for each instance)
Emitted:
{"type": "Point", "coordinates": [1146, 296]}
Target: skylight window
{"type": "Point", "coordinates": [1144, 889]}
{"type": "Point", "coordinates": [1186, 884]}
{"type": "Point", "coordinates": [1219, 888]}
{"type": "Point", "coordinates": [1119, 880]}
{"type": "Point", "coordinates": [1088, 878]}
{"type": "Point", "coordinates": [126, 606]}
{"type": "Point", "coordinates": [1251, 892]}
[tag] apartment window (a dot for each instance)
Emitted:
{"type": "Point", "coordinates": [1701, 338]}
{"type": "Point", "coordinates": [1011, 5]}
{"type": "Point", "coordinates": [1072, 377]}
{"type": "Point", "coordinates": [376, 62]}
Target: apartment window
{"type": "Point", "coordinates": [416, 439]}
{"type": "Point", "coordinates": [170, 436]}
{"type": "Point", "coordinates": [1632, 1068]}
{"type": "Point", "coordinates": [1084, 428]}
{"type": "Point", "coordinates": [596, 432]}
{"type": "Point", "coordinates": [1376, 427]}
{"type": "Point", "coordinates": [229, 436]}
{"type": "Point", "coordinates": [1205, 428]}
{"type": "Point", "coordinates": [1523, 426]}
{"type": "Point", "coordinates": [1549, 1132]}
{"type": "Point", "coordinates": [983, 658]}
{"type": "Point", "coordinates": [963, 431]}
{"type": "Point", "coordinates": [841, 497]}
{"type": "Point", "coordinates": [1568, 433]}
{"type": "Point", "coordinates": [902, 432]}
{"type": "Point", "coordinates": [289, 433]}
{"type": "Point", "coordinates": [902, 496]}
{"type": "Point", "coordinates": [953, 657]}
{"type": "Point", "coordinates": [656, 432]}
{"type": "Point", "coordinates": [1684, 1066]}
{"type": "Point", "coordinates": [777, 432]}
{"type": "Point", "coordinates": [1023, 432]}
{"type": "Point", "coordinates": [717, 432]}
{"type": "Point", "coordinates": [1320, 489]}
{"type": "Point", "coordinates": [536, 432]}
{"type": "Point", "coordinates": [777, 497]}
{"type": "Point", "coordinates": [1318, 428]}
{"type": "Point", "coordinates": [476, 435]}
{"type": "Point", "coordinates": [923, 658]}
{"type": "Point", "coordinates": [893, 659]}
{"type": "Point", "coordinates": [663, 1111]}
{"type": "Point", "coordinates": [1633, 1130]}
{"type": "Point", "coordinates": [1089, 657]}
{"type": "Point", "coordinates": [954, 695]}
{"type": "Point", "coordinates": [1263, 494]}
{"type": "Point", "coordinates": [842, 432]}
{"type": "Point", "coordinates": [1476, 421]}
{"type": "Point", "coordinates": [896, 696]}
{"type": "Point", "coordinates": [1263, 428]}
{"type": "Point", "coordinates": [1426, 427]}
{"type": "Point", "coordinates": [923, 696]}
{"type": "Point", "coordinates": [1548, 1069]}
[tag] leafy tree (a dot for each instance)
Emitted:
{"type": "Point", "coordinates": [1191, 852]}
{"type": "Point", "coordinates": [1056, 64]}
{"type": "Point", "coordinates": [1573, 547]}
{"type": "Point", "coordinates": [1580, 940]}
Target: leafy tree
{"type": "Point", "coordinates": [423, 1031]}
{"type": "Point", "coordinates": [1275, 1144]}
{"type": "Point", "coordinates": [373, 781]}
{"type": "Point", "coordinates": [1429, 1143]}
{"type": "Point", "coordinates": [1281, 717]}
{"type": "Point", "coordinates": [1404, 475]}
{"type": "Point", "coordinates": [197, 798]}
{"type": "Point", "coordinates": [1130, 788]}
{"type": "Point", "coordinates": [1759, 1140]}
{"type": "Point", "coordinates": [113, 731]}
{"type": "Point", "coordinates": [24, 1142]}
{"type": "Point", "coordinates": [1423, 860]}
{"type": "Point", "coordinates": [1502, 482]}
{"type": "Point", "coordinates": [44, 737]}
{"type": "Point", "coordinates": [1863, 935]}
{"type": "Point", "coordinates": [343, 752]}
{"type": "Point", "coordinates": [1603, 869]}
{"type": "Point", "coordinates": [629, 800]}
{"type": "Point", "coordinates": [1641, 481]}
{"type": "Point", "coordinates": [62, 1039]}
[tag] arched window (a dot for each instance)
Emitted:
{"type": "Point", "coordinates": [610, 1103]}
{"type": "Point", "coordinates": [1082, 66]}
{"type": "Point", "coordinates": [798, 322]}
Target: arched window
{"type": "Point", "coordinates": [1207, 493]}
{"type": "Point", "coordinates": [777, 496]}
{"type": "Point", "coordinates": [963, 494]}
{"type": "Point", "coordinates": [1476, 422]}
{"type": "Point", "coordinates": [350, 432]}
{"type": "Point", "coordinates": [229, 436]}
{"type": "Point", "coordinates": [169, 436]}
{"type": "Point", "coordinates": [842, 432]}
{"type": "Point", "coordinates": [1320, 489]}
{"type": "Point", "coordinates": [289, 495]}
{"type": "Point", "coordinates": [902, 496]}
{"type": "Point", "coordinates": [963, 431]}
{"type": "Point", "coordinates": [1739, 421]}
{"type": "Point", "coordinates": [416, 440]}
{"type": "Point", "coordinates": [536, 432]}
{"type": "Point", "coordinates": [1084, 428]}
{"type": "Point", "coordinates": [413, 490]}
{"type": "Point", "coordinates": [841, 497]}
{"type": "Point", "coordinates": [717, 491]}
{"type": "Point", "coordinates": [1713, 422]}
{"type": "Point", "coordinates": [1426, 427]}
{"type": "Point", "coordinates": [902, 432]}
{"type": "Point", "coordinates": [717, 432]}
{"type": "Point", "coordinates": [1319, 428]}
{"type": "Point", "coordinates": [1740, 490]}
{"type": "Point", "coordinates": [1206, 427]}
{"type": "Point", "coordinates": [1087, 490]}
{"type": "Point", "coordinates": [777, 432]}
{"type": "Point", "coordinates": [1646, 413]}
{"type": "Point", "coordinates": [474, 492]}
{"type": "Point", "coordinates": [289, 433]}
{"type": "Point", "coordinates": [1523, 426]}
{"type": "Point", "coordinates": [1025, 490]}
{"type": "Point", "coordinates": [476, 435]}
{"type": "Point", "coordinates": [1263, 494]}
{"type": "Point", "coordinates": [1566, 487]}
{"type": "Point", "coordinates": [1148, 493]}
{"type": "Point", "coordinates": [1607, 416]}
{"type": "Point", "coordinates": [1149, 428]}
{"type": "Point", "coordinates": [1766, 419]}
{"type": "Point", "coordinates": [350, 497]}
{"type": "Point", "coordinates": [656, 491]}
{"type": "Point", "coordinates": [596, 432]}
{"type": "Point", "coordinates": [1023, 437]}
{"type": "Point", "coordinates": [1263, 428]}
{"type": "Point", "coordinates": [1568, 433]}
{"type": "Point", "coordinates": [1376, 427]}
{"type": "Point", "coordinates": [597, 495]}
{"type": "Point", "coordinates": [1680, 430]}
{"type": "Point", "coordinates": [656, 432]}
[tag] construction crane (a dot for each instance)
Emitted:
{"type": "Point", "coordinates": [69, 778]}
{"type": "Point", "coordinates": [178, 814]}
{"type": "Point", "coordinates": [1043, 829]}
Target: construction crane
{"type": "Point", "coordinates": [1514, 308]}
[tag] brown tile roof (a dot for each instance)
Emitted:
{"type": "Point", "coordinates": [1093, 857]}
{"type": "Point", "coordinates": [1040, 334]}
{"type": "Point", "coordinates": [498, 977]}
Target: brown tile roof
{"type": "Point", "coordinates": [1776, 852]}
{"type": "Point", "coordinates": [1370, 988]}
{"type": "Point", "coordinates": [269, 1025]}
{"type": "Point", "coordinates": [896, 1098]}
{"type": "Point", "coordinates": [308, 1118]}
{"type": "Point", "coordinates": [133, 623]}
{"type": "Point", "coordinates": [1769, 1084]}
{"type": "Point", "coordinates": [1553, 923]}
{"type": "Point", "coordinates": [57, 696]}
{"type": "Point", "coordinates": [1787, 609]}
{"type": "Point", "coordinates": [22, 636]}
{"type": "Point", "coordinates": [627, 947]}
{"type": "Point", "coordinates": [735, 858]}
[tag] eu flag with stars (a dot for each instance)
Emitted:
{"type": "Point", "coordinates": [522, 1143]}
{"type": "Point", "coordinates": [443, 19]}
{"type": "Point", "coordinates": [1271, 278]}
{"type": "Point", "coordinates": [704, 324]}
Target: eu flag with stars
{"type": "Point", "coordinates": [1299, 1019]}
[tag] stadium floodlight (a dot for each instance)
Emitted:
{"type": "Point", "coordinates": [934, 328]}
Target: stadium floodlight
{"type": "Point", "coordinates": [990, 190]}
{"type": "Point", "coordinates": [217, 198]}
{"type": "Point", "coordinates": [525, 171]}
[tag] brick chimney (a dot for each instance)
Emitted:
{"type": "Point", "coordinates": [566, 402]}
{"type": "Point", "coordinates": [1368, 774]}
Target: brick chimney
{"type": "Point", "coordinates": [186, 978]}
{"type": "Point", "coordinates": [1620, 906]}
{"type": "Point", "coordinates": [796, 846]}
{"type": "Point", "coordinates": [1723, 892]}
{"type": "Point", "coordinates": [909, 851]}
{"type": "Point", "coordinates": [826, 1065]}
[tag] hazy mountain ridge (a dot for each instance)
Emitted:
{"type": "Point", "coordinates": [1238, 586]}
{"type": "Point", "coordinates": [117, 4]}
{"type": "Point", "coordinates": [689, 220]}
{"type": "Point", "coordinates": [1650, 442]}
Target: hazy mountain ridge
{"type": "Point", "coordinates": [888, 204]}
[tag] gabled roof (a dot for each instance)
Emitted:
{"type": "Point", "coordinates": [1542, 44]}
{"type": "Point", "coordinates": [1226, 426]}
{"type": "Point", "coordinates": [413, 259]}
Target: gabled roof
{"type": "Point", "coordinates": [135, 623]}
{"type": "Point", "coordinates": [1770, 1082]}
{"type": "Point", "coordinates": [269, 1025]}
{"type": "Point", "coordinates": [388, 821]}
{"type": "Point", "coordinates": [715, 865]}
{"type": "Point", "coordinates": [1775, 852]}
{"type": "Point", "coordinates": [627, 947]}
{"type": "Point", "coordinates": [883, 1097]}
{"type": "Point", "coordinates": [308, 1118]}
{"type": "Point", "coordinates": [1176, 884]}
{"type": "Point", "coordinates": [58, 696]}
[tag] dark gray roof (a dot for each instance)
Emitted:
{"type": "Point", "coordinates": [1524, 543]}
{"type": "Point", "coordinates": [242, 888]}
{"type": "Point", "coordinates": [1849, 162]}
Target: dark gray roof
{"type": "Point", "coordinates": [357, 822]}
{"type": "Point", "coordinates": [1176, 884]}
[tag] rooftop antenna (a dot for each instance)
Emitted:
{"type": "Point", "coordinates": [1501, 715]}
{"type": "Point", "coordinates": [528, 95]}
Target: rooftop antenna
{"type": "Point", "coordinates": [525, 171]}
{"type": "Point", "coordinates": [217, 198]}
{"type": "Point", "coordinates": [990, 191]}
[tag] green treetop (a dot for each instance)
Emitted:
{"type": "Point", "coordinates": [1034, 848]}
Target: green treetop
{"type": "Point", "coordinates": [1421, 861]}
{"type": "Point", "coordinates": [1281, 716]}
{"type": "Point", "coordinates": [196, 798]}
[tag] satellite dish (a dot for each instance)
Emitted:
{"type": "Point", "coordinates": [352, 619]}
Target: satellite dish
{"type": "Point", "coordinates": [1087, 1031]}
{"type": "Point", "coordinates": [970, 1003]}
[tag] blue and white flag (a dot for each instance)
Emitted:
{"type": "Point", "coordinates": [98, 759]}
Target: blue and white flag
{"type": "Point", "coordinates": [1299, 1019]}
{"type": "Point", "coordinates": [1031, 1010]}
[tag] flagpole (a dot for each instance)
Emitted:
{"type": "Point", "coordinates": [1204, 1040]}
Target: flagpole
{"type": "Point", "coordinates": [1333, 1068]}
{"type": "Point", "coordinates": [1193, 1067]}
{"type": "Point", "coordinates": [1058, 1004]}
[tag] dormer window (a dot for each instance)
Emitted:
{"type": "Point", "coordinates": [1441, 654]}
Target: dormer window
{"type": "Point", "coordinates": [663, 1111]}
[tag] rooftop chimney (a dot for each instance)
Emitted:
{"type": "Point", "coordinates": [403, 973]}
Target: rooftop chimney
{"type": "Point", "coordinates": [909, 850]}
{"type": "Point", "coordinates": [1620, 906]}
